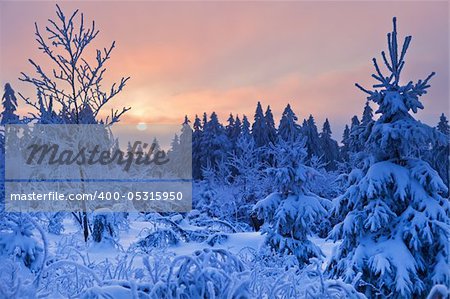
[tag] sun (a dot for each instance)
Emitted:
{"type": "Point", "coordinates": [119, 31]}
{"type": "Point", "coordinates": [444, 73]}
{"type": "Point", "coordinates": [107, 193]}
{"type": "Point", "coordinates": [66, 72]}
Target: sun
{"type": "Point", "coordinates": [141, 126]}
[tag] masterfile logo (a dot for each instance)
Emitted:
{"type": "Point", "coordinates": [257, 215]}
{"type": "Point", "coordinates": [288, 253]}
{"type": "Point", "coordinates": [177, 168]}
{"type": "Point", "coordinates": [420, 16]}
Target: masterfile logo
{"type": "Point", "coordinates": [97, 166]}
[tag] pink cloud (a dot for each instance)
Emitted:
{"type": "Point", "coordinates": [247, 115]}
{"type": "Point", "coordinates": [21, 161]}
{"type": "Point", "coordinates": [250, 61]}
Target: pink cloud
{"type": "Point", "coordinates": [186, 58]}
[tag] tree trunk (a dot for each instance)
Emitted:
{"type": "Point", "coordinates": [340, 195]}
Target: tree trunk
{"type": "Point", "coordinates": [85, 226]}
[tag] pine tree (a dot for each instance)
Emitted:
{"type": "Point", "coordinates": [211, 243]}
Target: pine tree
{"type": "Point", "coordinates": [354, 135]}
{"type": "Point", "coordinates": [237, 129]}
{"type": "Point", "coordinates": [204, 120]}
{"type": "Point", "coordinates": [367, 116]}
{"type": "Point", "coordinates": [9, 102]}
{"type": "Point", "coordinates": [312, 138]}
{"type": "Point", "coordinates": [290, 212]}
{"type": "Point", "coordinates": [233, 130]}
{"type": "Point", "coordinates": [439, 156]}
{"type": "Point", "coordinates": [443, 125]}
{"type": "Point", "coordinates": [175, 144]}
{"type": "Point", "coordinates": [288, 129]}
{"type": "Point", "coordinates": [245, 129]}
{"type": "Point", "coordinates": [270, 125]}
{"type": "Point", "coordinates": [345, 144]}
{"type": "Point", "coordinates": [197, 150]}
{"type": "Point", "coordinates": [230, 126]}
{"type": "Point", "coordinates": [365, 127]}
{"type": "Point", "coordinates": [214, 141]}
{"type": "Point", "coordinates": [395, 232]}
{"type": "Point", "coordinates": [259, 128]}
{"type": "Point", "coordinates": [330, 147]}
{"type": "Point", "coordinates": [129, 148]}
{"type": "Point", "coordinates": [184, 154]}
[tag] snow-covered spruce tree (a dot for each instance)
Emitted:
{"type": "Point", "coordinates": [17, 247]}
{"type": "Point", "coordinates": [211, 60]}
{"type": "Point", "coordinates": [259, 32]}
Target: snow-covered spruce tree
{"type": "Point", "coordinates": [365, 126]}
{"type": "Point", "coordinates": [358, 135]}
{"type": "Point", "coordinates": [233, 132]}
{"type": "Point", "coordinates": [214, 142]}
{"type": "Point", "coordinates": [237, 129]}
{"type": "Point", "coordinates": [259, 128]}
{"type": "Point", "coordinates": [330, 147]}
{"type": "Point", "coordinates": [245, 128]}
{"type": "Point", "coordinates": [183, 153]}
{"type": "Point", "coordinates": [270, 124]}
{"type": "Point", "coordinates": [440, 155]}
{"type": "Point", "coordinates": [290, 212]}
{"type": "Point", "coordinates": [309, 130]}
{"type": "Point", "coordinates": [9, 103]}
{"type": "Point", "coordinates": [354, 146]}
{"type": "Point", "coordinates": [8, 117]}
{"type": "Point", "coordinates": [443, 125]}
{"type": "Point", "coordinates": [344, 150]}
{"type": "Point", "coordinates": [367, 116]}
{"type": "Point", "coordinates": [230, 130]}
{"type": "Point", "coordinates": [197, 135]}
{"type": "Point", "coordinates": [396, 226]}
{"type": "Point", "coordinates": [288, 128]}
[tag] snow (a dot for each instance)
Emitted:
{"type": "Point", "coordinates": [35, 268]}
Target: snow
{"type": "Point", "coordinates": [278, 213]}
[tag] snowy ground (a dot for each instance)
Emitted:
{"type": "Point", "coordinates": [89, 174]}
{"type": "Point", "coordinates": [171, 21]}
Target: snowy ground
{"type": "Point", "coordinates": [159, 256]}
{"type": "Point", "coordinates": [235, 243]}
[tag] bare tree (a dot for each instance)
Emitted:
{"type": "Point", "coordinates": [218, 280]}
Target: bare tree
{"type": "Point", "coordinates": [74, 83]}
{"type": "Point", "coordinates": [72, 92]}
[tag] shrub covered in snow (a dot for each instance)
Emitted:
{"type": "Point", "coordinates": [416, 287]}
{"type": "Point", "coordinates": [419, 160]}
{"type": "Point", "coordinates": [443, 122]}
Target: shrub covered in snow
{"type": "Point", "coordinates": [210, 273]}
{"type": "Point", "coordinates": [104, 227]}
{"type": "Point", "coordinates": [17, 241]}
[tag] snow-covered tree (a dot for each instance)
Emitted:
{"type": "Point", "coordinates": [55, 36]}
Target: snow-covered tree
{"type": "Point", "coordinates": [229, 128]}
{"type": "Point", "coordinates": [396, 227]}
{"type": "Point", "coordinates": [237, 129]}
{"type": "Point", "coordinates": [175, 143]}
{"type": "Point", "coordinates": [8, 117]}
{"type": "Point", "coordinates": [270, 125]}
{"type": "Point", "coordinates": [73, 92]}
{"type": "Point", "coordinates": [367, 116]}
{"type": "Point", "coordinates": [214, 141]}
{"type": "Point", "coordinates": [233, 130]}
{"type": "Point", "coordinates": [330, 147]}
{"type": "Point", "coordinates": [365, 126]}
{"type": "Point", "coordinates": [443, 125]}
{"type": "Point", "coordinates": [18, 241]}
{"type": "Point", "coordinates": [180, 153]}
{"type": "Point", "coordinates": [245, 128]}
{"type": "Point", "coordinates": [310, 131]}
{"type": "Point", "coordinates": [354, 146]}
{"type": "Point", "coordinates": [9, 103]}
{"type": "Point", "coordinates": [197, 149]}
{"type": "Point", "coordinates": [345, 148]}
{"type": "Point", "coordinates": [55, 223]}
{"type": "Point", "coordinates": [184, 155]}
{"type": "Point", "coordinates": [259, 128]}
{"type": "Point", "coordinates": [358, 135]}
{"type": "Point", "coordinates": [439, 156]}
{"type": "Point", "coordinates": [290, 212]}
{"type": "Point", "coordinates": [104, 227]}
{"type": "Point", "coordinates": [288, 128]}
{"type": "Point", "coordinates": [250, 180]}
{"type": "Point", "coordinates": [75, 83]}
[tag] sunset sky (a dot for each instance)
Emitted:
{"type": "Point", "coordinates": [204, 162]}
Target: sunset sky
{"type": "Point", "coordinates": [191, 57]}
